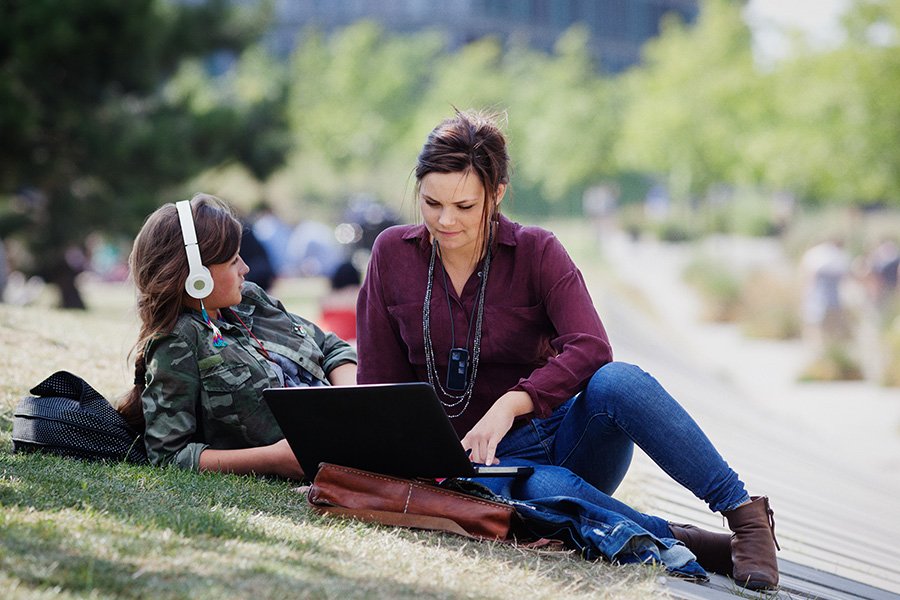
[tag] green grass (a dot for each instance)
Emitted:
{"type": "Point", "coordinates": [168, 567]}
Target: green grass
{"type": "Point", "coordinates": [79, 530]}
{"type": "Point", "coordinates": [71, 529]}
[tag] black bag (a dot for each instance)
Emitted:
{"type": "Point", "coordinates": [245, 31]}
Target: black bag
{"type": "Point", "coordinates": [66, 416]}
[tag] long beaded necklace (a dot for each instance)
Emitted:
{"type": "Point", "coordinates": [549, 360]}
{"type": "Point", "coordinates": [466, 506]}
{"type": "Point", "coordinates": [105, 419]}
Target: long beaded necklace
{"type": "Point", "coordinates": [458, 361]}
{"type": "Point", "coordinates": [433, 379]}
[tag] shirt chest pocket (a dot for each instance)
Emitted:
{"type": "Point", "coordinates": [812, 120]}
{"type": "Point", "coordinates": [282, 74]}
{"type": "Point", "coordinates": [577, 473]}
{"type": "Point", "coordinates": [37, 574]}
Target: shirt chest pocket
{"type": "Point", "coordinates": [226, 397]}
{"type": "Point", "coordinates": [516, 334]}
{"type": "Point", "coordinates": [225, 378]}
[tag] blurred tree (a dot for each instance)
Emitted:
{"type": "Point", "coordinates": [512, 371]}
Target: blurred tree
{"type": "Point", "coordinates": [472, 77]}
{"type": "Point", "coordinates": [837, 139]}
{"type": "Point", "coordinates": [352, 99]}
{"type": "Point", "coordinates": [362, 103]}
{"type": "Point", "coordinates": [559, 113]}
{"type": "Point", "coordinates": [93, 136]}
{"type": "Point", "coordinates": [822, 125]}
{"type": "Point", "coordinates": [694, 103]}
{"type": "Point", "coordinates": [566, 119]}
{"type": "Point", "coordinates": [875, 26]}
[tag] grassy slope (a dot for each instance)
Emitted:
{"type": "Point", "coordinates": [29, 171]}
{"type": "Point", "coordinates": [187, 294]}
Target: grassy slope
{"type": "Point", "coordinates": [73, 530]}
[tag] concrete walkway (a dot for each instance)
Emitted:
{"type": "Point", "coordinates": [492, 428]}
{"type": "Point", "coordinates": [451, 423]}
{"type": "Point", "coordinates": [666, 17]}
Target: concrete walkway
{"type": "Point", "coordinates": [828, 455]}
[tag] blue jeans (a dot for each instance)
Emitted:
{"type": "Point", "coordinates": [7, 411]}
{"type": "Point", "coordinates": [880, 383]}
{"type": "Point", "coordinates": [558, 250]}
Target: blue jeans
{"type": "Point", "coordinates": [584, 448]}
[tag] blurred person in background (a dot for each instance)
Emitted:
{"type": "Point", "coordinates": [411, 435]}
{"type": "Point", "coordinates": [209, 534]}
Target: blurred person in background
{"type": "Point", "coordinates": [312, 250]}
{"type": "Point", "coordinates": [273, 233]}
{"type": "Point", "coordinates": [882, 271]}
{"type": "Point", "coordinates": [262, 273]}
{"type": "Point", "coordinates": [368, 217]}
{"type": "Point", "coordinates": [107, 259]}
{"type": "Point", "coordinates": [824, 268]}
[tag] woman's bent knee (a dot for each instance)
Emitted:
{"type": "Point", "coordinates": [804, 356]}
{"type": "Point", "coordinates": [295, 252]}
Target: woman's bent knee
{"type": "Point", "coordinates": [617, 382]}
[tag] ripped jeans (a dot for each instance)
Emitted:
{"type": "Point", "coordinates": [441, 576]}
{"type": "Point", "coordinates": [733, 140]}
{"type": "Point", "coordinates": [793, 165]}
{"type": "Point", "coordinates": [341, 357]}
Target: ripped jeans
{"type": "Point", "coordinates": [584, 448]}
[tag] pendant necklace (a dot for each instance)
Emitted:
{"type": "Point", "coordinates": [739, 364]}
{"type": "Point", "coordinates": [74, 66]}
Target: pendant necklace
{"type": "Point", "coordinates": [457, 376]}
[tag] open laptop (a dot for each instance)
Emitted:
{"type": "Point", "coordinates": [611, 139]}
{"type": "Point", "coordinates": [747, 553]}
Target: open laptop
{"type": "Point", "coordinates": [397, 429]}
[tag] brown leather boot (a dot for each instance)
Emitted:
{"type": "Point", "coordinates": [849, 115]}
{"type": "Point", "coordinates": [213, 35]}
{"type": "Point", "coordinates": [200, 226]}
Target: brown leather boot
{"type": "Point", "coordinates": [713, 550]}
{"type": "Point", "coordinates": [753, 544]}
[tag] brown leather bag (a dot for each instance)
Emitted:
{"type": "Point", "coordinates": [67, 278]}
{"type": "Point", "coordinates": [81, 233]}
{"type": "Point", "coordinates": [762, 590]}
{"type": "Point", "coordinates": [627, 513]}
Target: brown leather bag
{"type": "Point", "coordinates": [407, 503]}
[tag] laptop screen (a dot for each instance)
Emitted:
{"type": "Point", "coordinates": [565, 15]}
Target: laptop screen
{"type": "Point", "coordinates": [395, 429]}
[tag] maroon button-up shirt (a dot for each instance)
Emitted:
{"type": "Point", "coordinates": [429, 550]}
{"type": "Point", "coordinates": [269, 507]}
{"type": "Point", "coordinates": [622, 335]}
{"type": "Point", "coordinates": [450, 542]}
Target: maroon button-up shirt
{"type": "Point", "coordinates": [541, 332]}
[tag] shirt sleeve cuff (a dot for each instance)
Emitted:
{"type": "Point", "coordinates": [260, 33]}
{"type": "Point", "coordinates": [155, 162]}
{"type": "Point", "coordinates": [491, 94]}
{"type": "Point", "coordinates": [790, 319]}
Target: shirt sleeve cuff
{"type": "Point", "coordinates": [189, 456]}
{"type": "Point", "coordinates": [542, 410]}
{"type": "Point", "coordinates": [345, 357]}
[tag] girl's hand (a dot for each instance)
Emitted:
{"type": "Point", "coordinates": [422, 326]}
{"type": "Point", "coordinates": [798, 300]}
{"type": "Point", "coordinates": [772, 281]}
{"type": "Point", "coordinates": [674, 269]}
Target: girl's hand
{"type": "Point", "coordinates": [484, 437]}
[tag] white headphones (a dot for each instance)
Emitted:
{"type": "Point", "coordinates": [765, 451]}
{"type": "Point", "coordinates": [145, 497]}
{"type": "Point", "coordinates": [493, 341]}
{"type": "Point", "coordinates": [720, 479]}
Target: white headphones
{"type": "Point", "coordinates": [199, 283]}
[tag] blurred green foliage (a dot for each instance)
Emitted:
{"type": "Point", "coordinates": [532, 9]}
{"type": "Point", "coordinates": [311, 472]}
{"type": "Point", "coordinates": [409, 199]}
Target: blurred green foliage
{"type": "Point", "coordinates": [100, 121]}
{"type": "Point", "coordinates": [821, 125]}
{"type": "Point", "coordinates": [719, 288]}
{"type": "Point", "coordinates": [699, 115]}
{"type": "Point", "coordinates": [109, 108]}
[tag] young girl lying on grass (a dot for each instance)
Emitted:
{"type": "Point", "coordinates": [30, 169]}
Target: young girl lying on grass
{"type": "Point", "coordinates": [211, 342]}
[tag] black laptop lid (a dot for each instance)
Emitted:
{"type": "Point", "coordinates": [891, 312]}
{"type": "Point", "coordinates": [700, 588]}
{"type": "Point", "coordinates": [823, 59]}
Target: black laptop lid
{"type": "Point", "coordinates": [396, 429]}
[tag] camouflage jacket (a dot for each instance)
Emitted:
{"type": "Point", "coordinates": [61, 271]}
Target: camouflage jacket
{"type": "Point", "coordinates": [200, 396]}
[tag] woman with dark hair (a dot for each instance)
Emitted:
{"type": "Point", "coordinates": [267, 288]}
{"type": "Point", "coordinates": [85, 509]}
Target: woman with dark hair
{"type": "Point", "coordinates": [497, 317]}
{"type": "Point", "coordinates": [205, 352]}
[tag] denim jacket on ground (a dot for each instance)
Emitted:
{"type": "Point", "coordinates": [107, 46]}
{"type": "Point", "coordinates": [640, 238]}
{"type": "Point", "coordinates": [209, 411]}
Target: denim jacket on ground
{"type": "Point", "coordinates": [599, 533]}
